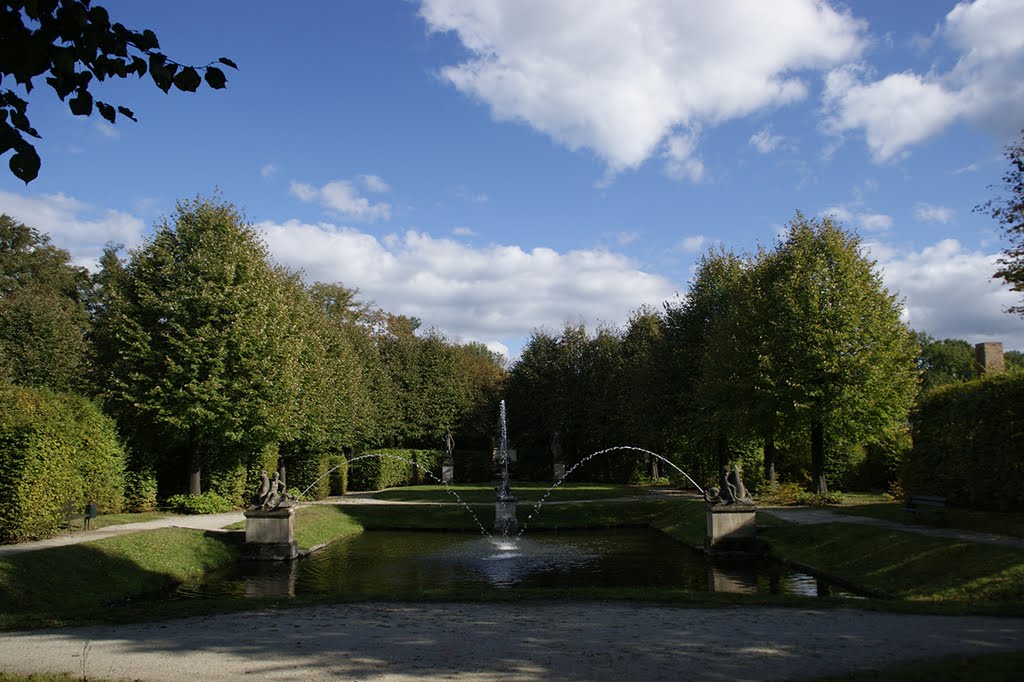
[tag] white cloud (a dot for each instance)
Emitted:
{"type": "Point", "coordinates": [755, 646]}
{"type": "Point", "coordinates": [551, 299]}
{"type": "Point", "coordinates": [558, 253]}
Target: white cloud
{"type": "Point", "coordinates": [985, 86]}
{"type": "Point", "coordinates": [339, 196]}
{"type": "Point", "coordinates": [895, 112]}
{"type": "Point", "coordinates": [928, 213]}
{"type": "Point", "coordinates": [74, 225]}
{"type": "Point", "coordinates": [692, 244]}
{"type": "Point", "coordinates": [268, 171]}
{"type": "Point", "coordinates": [463, 232]}
{"type": "Point", "coordinates": [492, 294]}
{"type": "Point", "coordinates": [875, 222]}
{"type": "Point", "coordinates": [865, 220]}
{"type": "Point", "coordinates": [681, 163]}
{"type": "Point", "coordinates": [949, 292]}
{"type": "Point", "coordinates": [375, 183]}
{"type": "Point", "coordinates": [619, 78]}
{"type": "Point", "coordinates": [765, 141]}
{"type": "Point", "coordinates": [624, 238]}
{"type": "Point", "coordinates": [106, 129]}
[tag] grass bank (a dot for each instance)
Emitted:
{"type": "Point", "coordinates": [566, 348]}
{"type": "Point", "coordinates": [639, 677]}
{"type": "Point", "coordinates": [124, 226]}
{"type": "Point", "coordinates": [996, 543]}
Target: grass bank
{"type": "Point", "coordinates": [960, 576]}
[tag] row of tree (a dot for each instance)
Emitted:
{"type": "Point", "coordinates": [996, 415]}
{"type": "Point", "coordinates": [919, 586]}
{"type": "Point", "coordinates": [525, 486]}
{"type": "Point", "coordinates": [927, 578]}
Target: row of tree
{"type": "Point", "coordinates": [213, 360]}
{"type": "Point", "coordinates": [799, 347]}
{"type": "Point", "coordinates": [207, 354]}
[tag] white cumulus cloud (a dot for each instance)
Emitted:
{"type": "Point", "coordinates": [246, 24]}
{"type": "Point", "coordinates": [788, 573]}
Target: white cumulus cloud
{"type": "Point", "coordinates": [74, 225]}
{"type": "Point", "coordinates": [985, 86]}
{"type": "Point", "coordinates": [929, 213]}
{"type": "Point", "coordinates": [341, 197]}
{"type": "Point", "coordinates": [765, 141]}
{"type": "Point", "coordinates": [949, 292]}
{"type": "Point", "coordinates": [494, 294]}
{"type": "Point", "coordinates": [620, 78]}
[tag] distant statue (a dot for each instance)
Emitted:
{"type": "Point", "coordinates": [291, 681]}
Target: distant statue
{"type": "Point", "coordinates": [449, 446]}
{"type": "Point", "coordinates": [556, 445]}
{"type": "Point", "coordinates": [271, 494]}
{"type": "Point", "coordinates": [730, 491]}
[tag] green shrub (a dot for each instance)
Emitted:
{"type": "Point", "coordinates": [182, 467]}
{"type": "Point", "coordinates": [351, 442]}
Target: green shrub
{"type": "Point", "coordinates": [789, 494]}
{"type": "Point", "coordinates": [207, 503]}
{"type": "Point", "coordinates": [968, 439]}
{"type": "Point", "coordinates": [306, 473]}
{"type": "Point", "coordinates": [338, 468]}
{"type": "Point", "coordinates": [231, 484]}
{"type": "Point", "coordinates": [140, 491]}
{"type": "Point", "coordinates": [55, 450]}
{"type": "Point", "coordinates": [394, 468]}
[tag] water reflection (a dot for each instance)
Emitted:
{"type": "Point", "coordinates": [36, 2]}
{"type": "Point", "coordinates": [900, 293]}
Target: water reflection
{"type": "Point", "coordinates": [381, 564]}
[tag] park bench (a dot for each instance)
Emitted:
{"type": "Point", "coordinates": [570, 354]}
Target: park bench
{"type": "Point", "coordinates": [70, 515]}
{"type": "Point", "coordinates": [925, 504]}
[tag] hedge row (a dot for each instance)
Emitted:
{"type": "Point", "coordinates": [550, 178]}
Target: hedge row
{"type": "Point", "coordinates": [56, 450]}
{"type": "Point", "coordinates": [969, 444]}
{"type": "Point", "coordinates": [394, 468]}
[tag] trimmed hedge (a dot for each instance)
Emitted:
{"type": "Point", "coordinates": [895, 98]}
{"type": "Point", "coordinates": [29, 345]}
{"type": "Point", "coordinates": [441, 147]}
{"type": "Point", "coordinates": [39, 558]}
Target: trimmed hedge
{"type": "Point", "coordinates": [388, 471]}
{"type": "Point", "coordinates": [55, 449]}
{"type": "Point", "coordinates": [969, 444]}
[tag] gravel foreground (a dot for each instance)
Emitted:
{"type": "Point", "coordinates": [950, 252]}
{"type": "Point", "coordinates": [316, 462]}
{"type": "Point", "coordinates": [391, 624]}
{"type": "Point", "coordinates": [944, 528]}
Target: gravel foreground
{"type": "Point", "coordinates": [530, 641]}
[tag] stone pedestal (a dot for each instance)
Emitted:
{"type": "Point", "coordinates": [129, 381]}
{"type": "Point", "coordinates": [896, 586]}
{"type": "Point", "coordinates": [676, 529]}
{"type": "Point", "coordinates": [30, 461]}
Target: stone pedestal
{"type": "Point", "coordinates": [447, 473]}
{"type": "Point", "coordinates": [270, 534]}
{"type": "Point", "coordinates": [505, 521]}
{"type": "Point", "coordinates": [559, 471]}
{"type": "Point", "coordinates": [731, 528]}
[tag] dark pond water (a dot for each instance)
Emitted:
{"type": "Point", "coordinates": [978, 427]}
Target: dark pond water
{"type": "Point", "coordinates": [396, 563]}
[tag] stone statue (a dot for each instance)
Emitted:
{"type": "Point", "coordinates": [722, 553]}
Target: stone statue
{"type": "Point", "coordinates": [271, 495]}
{"type": "Point", "coordinates": [449, 447]}
{"type": "Point", "coordinates": [730, 491]}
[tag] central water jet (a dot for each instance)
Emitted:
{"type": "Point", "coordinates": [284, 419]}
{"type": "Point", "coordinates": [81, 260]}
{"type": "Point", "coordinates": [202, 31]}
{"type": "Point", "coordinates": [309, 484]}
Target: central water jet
{"type": "Point", "coordinates": [505, 505]}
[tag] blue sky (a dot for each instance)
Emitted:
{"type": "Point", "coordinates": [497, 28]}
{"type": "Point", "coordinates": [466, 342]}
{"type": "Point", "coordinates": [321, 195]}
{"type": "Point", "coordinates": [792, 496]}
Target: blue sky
{"type": "Point", "coordinates": [496, 167]}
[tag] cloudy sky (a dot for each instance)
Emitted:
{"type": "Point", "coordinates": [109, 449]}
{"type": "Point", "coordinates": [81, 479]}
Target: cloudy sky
{"type": "Point", "coordinates": [493, 167]}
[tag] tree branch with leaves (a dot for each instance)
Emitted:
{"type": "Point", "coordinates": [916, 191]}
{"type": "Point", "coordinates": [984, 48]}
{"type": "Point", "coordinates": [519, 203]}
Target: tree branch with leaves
{"type": "Point", "coordinates": [74, 44]}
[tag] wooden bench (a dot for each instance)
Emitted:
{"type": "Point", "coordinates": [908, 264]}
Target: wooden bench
{"type": "Point", "coordinates": [925, 504]}
{"type": "Point", "coordinates": [70, 515]}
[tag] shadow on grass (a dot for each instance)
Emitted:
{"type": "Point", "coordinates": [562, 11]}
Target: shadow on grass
{"type": "Point", "coordinates": [95, 580]}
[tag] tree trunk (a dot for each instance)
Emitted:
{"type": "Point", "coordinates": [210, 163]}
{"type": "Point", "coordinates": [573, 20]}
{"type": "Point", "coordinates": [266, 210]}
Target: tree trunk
{"type": "Point", "coordinates": [818, 484]}
{"type": "Point", "coordinates": [655, 474]}
{"type": "Point", "coordinates": [769, 460]}
{"type": "Point", "coordinates": [195, 464]}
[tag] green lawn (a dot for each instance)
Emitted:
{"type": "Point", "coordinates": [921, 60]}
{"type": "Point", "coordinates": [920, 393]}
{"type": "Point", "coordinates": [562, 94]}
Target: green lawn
{"type": "Point", "coordinates": [1003, 523]}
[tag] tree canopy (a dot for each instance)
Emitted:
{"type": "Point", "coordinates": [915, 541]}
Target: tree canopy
{"type": "Point", "coordinates": [1008, 210]}
{"type": "Point", "coordinates": [73, 43]}
{"type": "Point", "coordinates": [43, 319]}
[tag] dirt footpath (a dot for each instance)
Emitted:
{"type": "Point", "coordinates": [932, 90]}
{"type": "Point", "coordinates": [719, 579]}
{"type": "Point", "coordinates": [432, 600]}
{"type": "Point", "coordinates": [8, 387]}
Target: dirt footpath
{"type": "Point", "coordinates": [529, 641]}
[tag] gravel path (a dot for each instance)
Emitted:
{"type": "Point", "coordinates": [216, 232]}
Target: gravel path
{"type": "Point", "coordinates": [535, 641]}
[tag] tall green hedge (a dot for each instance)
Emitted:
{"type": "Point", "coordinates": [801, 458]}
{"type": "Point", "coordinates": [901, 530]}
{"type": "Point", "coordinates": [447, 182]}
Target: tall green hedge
{"type": "Point", "coordinates": [55, 449]}
{"type": "Point", "coordinates": [394, 468]}
{"type": "Point", "coordinates": [969, 444]}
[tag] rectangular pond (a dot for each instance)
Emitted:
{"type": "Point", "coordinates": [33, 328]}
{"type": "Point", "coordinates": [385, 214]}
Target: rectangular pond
{"type": "Point", "coordinates": [387, 564]}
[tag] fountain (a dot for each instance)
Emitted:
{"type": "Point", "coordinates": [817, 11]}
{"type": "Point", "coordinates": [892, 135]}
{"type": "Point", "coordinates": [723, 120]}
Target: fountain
{"type": "Point", "coordinates": [505, 504]}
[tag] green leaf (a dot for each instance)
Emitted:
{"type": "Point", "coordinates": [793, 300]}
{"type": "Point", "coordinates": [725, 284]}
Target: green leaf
{"type": "Point", "coordinates": [227, 62]}
{"type": "Point", "coordinates": [81, 105]}
{"type": "Point", "coordinates": [215, 78]}
{"type": "Point", "coordinates": [188, 80]}
{"type": "Point", "coordinates": [106, 111]}
{"type": "Point", "coordinates": [125, 111]}
{"type": "Point", "coordinates": [25, 164]}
